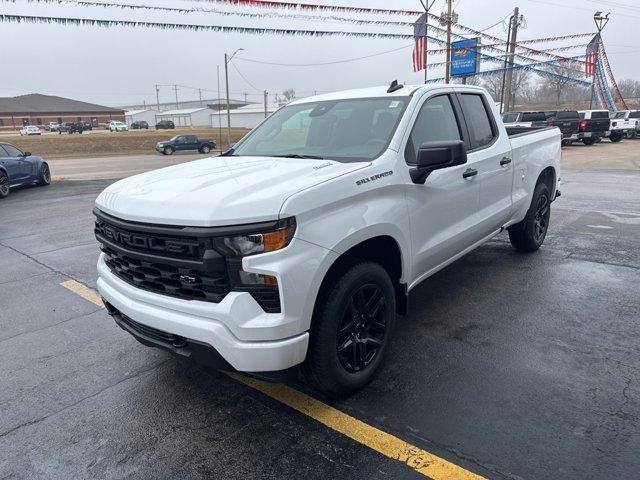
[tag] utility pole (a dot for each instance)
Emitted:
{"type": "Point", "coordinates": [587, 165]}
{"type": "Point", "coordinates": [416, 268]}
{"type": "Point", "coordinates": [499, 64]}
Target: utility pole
{"type": "Point", "coordinates": [245, 97]}
{"type": "Point", "coordinates": [504, 67]}
{"type": "Point", "coordinates": [516, 21]}
{"type": "Point", "coordinates": [200, 95]}
{"type": "Point", "coordinates": [601, 22]}
{"type": "Point", "coordinates": [227, 59]}
{"type": "Point", "coordinates": [447, 73]}
{"type": "Point", "coordinates": [175, 88]}
{"type": "Point", "coordinates": [266, 100]}
{"type": "Point", "coordinates": [219, 109]}
{"type": "Point", "coordinates": [157, 97]}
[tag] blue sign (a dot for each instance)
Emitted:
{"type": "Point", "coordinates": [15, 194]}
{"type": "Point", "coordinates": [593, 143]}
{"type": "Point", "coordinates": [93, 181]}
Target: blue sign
{"type": "Point", "coordinates": [465, 58]}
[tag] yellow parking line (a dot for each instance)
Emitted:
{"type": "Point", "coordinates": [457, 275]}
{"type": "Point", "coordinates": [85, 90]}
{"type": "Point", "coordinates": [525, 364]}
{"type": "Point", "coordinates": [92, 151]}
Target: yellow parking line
{"type": "Point", "coordinates": [84, 291]}
{"type": "Point", "coordinates": [419, 460]}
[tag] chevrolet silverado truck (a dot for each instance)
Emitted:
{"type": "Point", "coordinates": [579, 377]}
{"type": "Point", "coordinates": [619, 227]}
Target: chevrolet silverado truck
{"type": "Point", "coordinates": [627, 122]}
{"type": "Point", "coordinates": [300, 245]}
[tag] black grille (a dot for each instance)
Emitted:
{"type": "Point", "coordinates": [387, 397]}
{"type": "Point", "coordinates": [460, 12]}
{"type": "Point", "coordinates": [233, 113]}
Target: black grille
{"type": "Point", "coordinates": [176, 265]}
{"type": "Point", "coordinates": [153, 333]}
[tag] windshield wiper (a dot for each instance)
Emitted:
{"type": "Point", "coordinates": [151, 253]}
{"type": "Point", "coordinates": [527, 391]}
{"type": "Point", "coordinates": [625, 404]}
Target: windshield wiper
{"type": "Point", "coordinates": [298, 155]}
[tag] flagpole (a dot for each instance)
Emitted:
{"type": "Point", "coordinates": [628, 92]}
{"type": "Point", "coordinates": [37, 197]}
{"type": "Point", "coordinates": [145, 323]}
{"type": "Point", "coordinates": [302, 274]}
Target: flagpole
{"type": "Point", "coordinates": [427, 7]}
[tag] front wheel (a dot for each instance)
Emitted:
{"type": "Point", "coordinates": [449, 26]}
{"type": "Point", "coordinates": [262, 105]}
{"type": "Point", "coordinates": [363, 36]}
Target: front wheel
{"type": "Point", "coordinates": [4, 184]}
{"type": "Point", "coordinates": [168, 151]}
{"type": "Point", "coordinates": [45, 175]}
{"type": "Point", "coordinates": [351, 328]}
{"type": "Point", "coordinates": [529, 234]}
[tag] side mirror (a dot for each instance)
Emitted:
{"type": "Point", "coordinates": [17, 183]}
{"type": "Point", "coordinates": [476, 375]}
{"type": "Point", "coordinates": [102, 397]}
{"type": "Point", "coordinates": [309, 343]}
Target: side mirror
{"type": "Point", "coordinates": [436, 155]}
{"type": "Point", "coordinates": [26, 154]}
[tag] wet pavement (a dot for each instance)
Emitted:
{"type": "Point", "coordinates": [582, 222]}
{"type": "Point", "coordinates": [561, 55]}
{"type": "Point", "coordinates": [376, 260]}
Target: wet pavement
{"type": "Point", "coordinates": [510, 365]}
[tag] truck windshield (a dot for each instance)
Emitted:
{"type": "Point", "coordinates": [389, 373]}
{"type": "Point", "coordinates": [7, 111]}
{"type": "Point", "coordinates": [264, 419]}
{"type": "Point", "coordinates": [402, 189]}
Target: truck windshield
{"type": "Point", "coordinates": [342, 130]}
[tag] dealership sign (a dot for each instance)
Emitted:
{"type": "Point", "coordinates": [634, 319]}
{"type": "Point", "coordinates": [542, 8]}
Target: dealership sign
{"type": "Point", "coordinates": [465, 58]}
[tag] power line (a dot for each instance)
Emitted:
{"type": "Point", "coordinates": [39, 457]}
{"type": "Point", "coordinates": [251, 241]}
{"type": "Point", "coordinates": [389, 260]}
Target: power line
{"type": "Point", "coordinates": [245, 79]}
{"type": "Point", "coordinates": [323, 63]}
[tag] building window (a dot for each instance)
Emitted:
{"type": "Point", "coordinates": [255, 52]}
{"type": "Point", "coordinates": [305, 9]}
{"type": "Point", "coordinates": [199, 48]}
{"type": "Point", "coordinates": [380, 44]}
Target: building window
{"type": "Point", "coordinates": [39, 121]}
{"type": "Point", "coordinates": [1, 122]}
{"type": "Point", "coordinates": [78, 119]}
{"type": "Point", "coordinates": [25, 122]}
{"type": "Point", "coordinates": [59, 119]}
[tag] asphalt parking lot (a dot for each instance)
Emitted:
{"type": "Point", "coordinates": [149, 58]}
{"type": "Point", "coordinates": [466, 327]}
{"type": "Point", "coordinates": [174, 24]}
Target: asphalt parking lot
{"type": "Point", "coordinates": [509, 366]}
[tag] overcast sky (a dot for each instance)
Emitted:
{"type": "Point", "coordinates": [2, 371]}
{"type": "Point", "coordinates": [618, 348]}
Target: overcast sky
{"type": "Point", "coordinates": [119, 66]}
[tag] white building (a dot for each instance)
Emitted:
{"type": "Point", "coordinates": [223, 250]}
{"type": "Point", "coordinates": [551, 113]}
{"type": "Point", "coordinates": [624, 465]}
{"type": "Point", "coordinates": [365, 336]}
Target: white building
{"type": "Point", "coordinates": [147, 115]}
{"type": "Point", "coordinates": [187, 117]}
{"type": "Point", "coordinates": [248, 116]}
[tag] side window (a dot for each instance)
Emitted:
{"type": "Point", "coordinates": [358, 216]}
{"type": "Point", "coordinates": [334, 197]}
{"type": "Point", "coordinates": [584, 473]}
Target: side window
{"type": "Point", "coordinates": [12, 151]}
{"type": "Point", "coordinates": [478, 119]}
{"type": "Point", "coordinates": [436, 121]}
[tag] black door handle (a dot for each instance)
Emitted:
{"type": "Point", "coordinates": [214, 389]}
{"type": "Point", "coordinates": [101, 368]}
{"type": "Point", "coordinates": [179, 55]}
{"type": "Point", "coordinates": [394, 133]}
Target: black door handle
{"type": "Point", "coordinates": [505, 161]}
{"type": "Point", "coordinates": [470, 172]}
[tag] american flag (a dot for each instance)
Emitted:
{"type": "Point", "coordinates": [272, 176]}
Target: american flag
{"type": "Point", "coordinates": [420, 47]}
{"type": "Point", "coordinates": [592, 57]}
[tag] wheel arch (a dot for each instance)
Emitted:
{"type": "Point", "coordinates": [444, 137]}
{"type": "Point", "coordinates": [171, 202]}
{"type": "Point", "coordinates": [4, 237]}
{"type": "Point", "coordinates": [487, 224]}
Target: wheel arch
{"type": "Point", "coordinates": [382, 249]}
{"type": "Point", "coordinates": [548, 177]}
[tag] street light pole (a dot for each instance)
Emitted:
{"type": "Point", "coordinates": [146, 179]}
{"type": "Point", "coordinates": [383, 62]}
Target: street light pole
{"type": "Point", "coordinates": [227, 59]}
{"type": "Point", "coordinates": [600, 21]}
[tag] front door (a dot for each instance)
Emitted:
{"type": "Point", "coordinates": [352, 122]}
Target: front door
{"type": "Point", "coordinates": [443, 211]}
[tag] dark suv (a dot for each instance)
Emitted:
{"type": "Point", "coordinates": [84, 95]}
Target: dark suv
{"type": "Point", "coordinates": [140, 125]}
{"type": "Point", "coordinates": [165, 124]}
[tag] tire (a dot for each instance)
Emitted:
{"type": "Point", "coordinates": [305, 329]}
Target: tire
{"type": "Point", "coordinates": [529, 234]}
{"type": "Point", "coordinates": [350, 329]}
{"type": "Point", "coordinates": [4, 185]}
{"type": "Point", "coordinates": [615, 137]}
{"type": "Point", "coordinates": [167, 151]}
{"type": "Point", "coordinates": [45, 175]}
{"type": "Point", "coordinates": [589, 141]}
{"type": "Point", "coordinates": [205, 149]}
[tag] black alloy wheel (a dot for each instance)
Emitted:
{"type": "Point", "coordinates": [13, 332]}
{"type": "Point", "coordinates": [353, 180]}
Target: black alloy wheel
{"type": "Point", "coordinates": [363, 328]}
{"type": "Point", "coordinates": [45, 174]}
{"type": "Point", "coordinates": [4, 185]}
{"type": "Point", "coordinates": [541, 219]}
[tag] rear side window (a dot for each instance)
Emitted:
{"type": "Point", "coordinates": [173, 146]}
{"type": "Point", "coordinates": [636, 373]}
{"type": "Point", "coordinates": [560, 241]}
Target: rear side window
{"type": "Point", "coordinates": [567, 115]}
{"type": "Point", "coordinates": [634, 115]}
{"type": "Point", "coordinates": [479, 121]}
{"type": "Point", "coordinates": [510, 117]}
{"type": "Point", "coordinates": [191, 139]}
{"type": "Point", "coordinates": [599, 114]}
{"type": "Point", "coordinates": [436, 122]}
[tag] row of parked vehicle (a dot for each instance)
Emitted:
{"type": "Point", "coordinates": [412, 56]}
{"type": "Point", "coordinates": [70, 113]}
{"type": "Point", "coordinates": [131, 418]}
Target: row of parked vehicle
{"type": "Point", "coordinates": [586, 126]}
{"type": "Point", "coordinates": [83, 126]}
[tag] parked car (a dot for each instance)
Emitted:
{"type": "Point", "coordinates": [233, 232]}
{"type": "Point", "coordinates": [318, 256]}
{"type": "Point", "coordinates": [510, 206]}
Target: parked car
{"type": "Point", "coordinates": [20, 168]}
{"type": "Point", "coordinates": [140, 125]}
{"type": "Point", "coordinates": [87, 125]}
{"type": "Point", "coordinates": [524, 119]}
{"type": "Point", "coordinates": [184, 143]}
{"type": "Point", "coordinates": [594, 125]}
{"type": "Point", "coordinates": [568, 121]}
{"type": "Point", "coordinates": [30, 130]}
{"type": "Point", "coordinates": [70, 127]}
{"type": "Point", "coordinates": [116, 126]}
{"type": "Point", "coordinates": [165, 124]}
{"type": "Point", "coordinates": [51, 127]}
{"type": "Point", "coordinates": [627, 121]}
{"type": "Point", "coordinates": [300, 245]}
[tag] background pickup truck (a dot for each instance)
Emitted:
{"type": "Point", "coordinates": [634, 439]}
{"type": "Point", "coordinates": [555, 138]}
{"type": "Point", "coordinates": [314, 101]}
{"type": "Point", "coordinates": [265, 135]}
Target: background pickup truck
{"type": "Point", "coordinates": [300, 244]}
{"type": "Point", "coordinates": [184, 143]}
{"type": "Point", "coordinates": [568, 121]}
{"type": "Point", "coordinates": [71, 127]}
{"type": "Point", "coordinates": [525, 119]}
{"type": "Point", "coordinates": [626, 121]}
{"type": "Point", "coordinates": [594, 125]}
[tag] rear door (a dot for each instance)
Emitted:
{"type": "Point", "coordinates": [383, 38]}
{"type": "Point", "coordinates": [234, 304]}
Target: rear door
{"type": "Point", "coordinates": [191, 142]}
{"type": "Point", "coordinates": [490, 153]}
{"type": "Point", "coordinates": [443, 210]}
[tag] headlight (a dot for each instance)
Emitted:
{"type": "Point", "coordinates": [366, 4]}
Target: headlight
{"type": "Point", "coordinates": [262, 242]}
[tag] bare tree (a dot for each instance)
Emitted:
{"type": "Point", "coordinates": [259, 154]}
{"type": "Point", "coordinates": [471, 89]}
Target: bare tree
{"type": "Point", "coordinates": [289, 94]}
{"type": "Point", "coordinates": [558, 81]}
{"type": "Point", "coordinates": [630, 90]}
{"type": "Point", "coordinates": [493, 84]}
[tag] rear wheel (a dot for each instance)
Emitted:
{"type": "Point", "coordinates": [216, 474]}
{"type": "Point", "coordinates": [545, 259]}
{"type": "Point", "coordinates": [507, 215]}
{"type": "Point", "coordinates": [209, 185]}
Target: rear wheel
{"type": "Point", "coordinates": [351, 329]}
{"type": "Point", "coordinates": [45, 175]}
{"type": "Point", "coordinates": [205, 149]}
{"type": "Point", "coordinates": [615, 137]}
{"type": "Point", "coordinates": [4, 184]}
{"type": "Point", "coordinates": [529, 234]}
{"type": "Point", "coordinates": [589, 141]}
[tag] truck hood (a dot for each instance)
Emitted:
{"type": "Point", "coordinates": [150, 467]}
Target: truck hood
{"type": "Point", "coordinates": [218, 190]}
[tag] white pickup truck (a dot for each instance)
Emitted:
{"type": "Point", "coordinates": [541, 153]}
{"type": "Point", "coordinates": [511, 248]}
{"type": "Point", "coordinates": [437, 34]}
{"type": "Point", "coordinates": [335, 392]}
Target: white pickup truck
{"type": "Point", "coordinates": [300, 244]}
{"type": "Point", "coordinates": [627, 122]}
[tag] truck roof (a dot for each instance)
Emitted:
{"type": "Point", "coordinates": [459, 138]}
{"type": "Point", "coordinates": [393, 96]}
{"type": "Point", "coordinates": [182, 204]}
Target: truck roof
{"type": "Point", "coordinates": [374, 92]}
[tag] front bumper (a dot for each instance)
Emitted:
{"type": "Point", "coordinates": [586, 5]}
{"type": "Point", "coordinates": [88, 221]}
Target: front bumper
{"type": "Point", "coordinates": [249, 339]}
